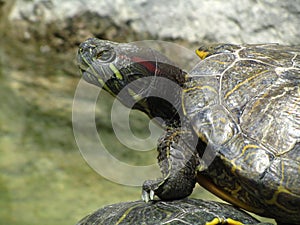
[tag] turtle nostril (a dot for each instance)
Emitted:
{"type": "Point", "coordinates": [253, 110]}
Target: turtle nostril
{"type": "Point", "coordinates": [86, 46]}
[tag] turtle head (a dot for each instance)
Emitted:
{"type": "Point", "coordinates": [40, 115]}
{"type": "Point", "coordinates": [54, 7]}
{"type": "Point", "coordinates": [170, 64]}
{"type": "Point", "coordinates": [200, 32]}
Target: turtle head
{"type": "Point", "coordinates": [109, 65]}
{"type": "Point", "coordinates": [125, 67]}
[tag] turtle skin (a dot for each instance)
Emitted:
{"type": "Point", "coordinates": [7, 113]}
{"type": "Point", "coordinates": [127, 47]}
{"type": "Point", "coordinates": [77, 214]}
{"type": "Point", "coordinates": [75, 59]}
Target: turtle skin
{"type": "Point", "coordinates": [233, 125]}
{"type": "Point", "coordinates": [184, 211]}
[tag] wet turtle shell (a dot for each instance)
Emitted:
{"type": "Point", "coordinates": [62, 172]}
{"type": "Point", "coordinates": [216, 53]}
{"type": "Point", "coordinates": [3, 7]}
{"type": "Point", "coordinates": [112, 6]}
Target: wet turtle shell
{"type": "Point", "coordinates": [185, 211]}
{"type": "Point", "coordinates": [244, 101]}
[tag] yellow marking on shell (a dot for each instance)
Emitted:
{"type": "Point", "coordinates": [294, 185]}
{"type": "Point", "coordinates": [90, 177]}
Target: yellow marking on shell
{"type": "Point", "coordinates": [248, 146]}
{"type": "Point", "coordinates": [273, 200]}
{"type": "Point", "coordinates": [236, 191]}
{"type": "Point", "coordinates": [258, 102]}
{"type": "Point", "coordinates": [234, 166]}
{"type": "Point", "coordinates": [201, 87]}
{"type": "Point", "coordinates": [192, 89]}
{"type": "Point", "coordinates": [215, 221]}
{"type": "Point", "coordinates": [242, 83]}
{"type": "Point", "coordinates": [280, 189]}
{"type": "Point", "coordinates": [230, 221]}
{"type": "Point", "coordinates": [222, 120]}
{"type": "Point", "coordinates": [126, 213]}
{"type": "Point", "coordinates": [116, 71]}
{"type": "Point", "coordinates": [202, 54]}
{"type": "Point", "coordinates": [227, 221]}
{"type": "Point", "coordinates": [210, 186]}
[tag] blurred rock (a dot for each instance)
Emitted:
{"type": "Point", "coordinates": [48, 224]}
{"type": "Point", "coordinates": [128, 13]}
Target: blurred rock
{"type": "Point", "coordinates": [250, 21]}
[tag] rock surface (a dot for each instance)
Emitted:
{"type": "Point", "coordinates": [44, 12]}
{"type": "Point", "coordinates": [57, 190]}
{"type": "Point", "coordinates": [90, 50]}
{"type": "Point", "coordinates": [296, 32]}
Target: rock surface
{"type": "Point", "coordinates": [192, 20]}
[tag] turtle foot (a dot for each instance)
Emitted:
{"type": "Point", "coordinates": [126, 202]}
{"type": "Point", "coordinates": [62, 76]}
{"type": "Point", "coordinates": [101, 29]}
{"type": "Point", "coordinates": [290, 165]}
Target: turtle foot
{"type": "Point", "coordinates": [146, 196]}
{"type": "Point", "coordinates": [149, 188]}
{"type": "Point", "coordinates": [167, 189]}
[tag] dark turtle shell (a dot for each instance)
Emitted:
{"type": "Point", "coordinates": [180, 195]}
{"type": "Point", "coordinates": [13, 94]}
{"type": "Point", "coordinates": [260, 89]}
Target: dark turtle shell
{"type": "Point", "coordinates": [185, 211]}
{"type": "Point", "coordinates": [244, 102]}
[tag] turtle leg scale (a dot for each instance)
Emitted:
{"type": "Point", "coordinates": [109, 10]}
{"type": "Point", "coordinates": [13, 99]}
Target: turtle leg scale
{"type": "Point", "coordinates": [177, 160]}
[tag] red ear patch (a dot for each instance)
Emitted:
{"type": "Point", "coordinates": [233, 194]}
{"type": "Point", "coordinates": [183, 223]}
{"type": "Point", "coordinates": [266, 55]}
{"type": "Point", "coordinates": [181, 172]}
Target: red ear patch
{"type": "Point", "coordinates": [147, 64]}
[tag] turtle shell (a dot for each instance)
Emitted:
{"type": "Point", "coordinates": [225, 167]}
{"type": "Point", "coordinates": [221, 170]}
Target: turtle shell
{"type": "Point", "coordinates": [243, 101]}
{"type": "Point", "coordinates": [185, 211]}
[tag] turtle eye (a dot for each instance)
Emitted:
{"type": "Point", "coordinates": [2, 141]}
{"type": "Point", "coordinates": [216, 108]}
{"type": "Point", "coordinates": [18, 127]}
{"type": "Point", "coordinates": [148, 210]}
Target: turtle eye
{"type": "Point", "coordinates": [105, 55]}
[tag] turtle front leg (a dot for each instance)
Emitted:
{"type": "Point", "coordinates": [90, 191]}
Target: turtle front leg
{"type": "Point", "coordinates": [177, 159]}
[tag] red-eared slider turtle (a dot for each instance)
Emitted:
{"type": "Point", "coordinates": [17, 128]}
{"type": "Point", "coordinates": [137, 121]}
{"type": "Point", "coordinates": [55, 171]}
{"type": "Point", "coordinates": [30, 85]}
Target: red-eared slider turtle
{"type": "Point", "coordinates": [185, 211]}
{"type": "Point", "coordinates": [232, 123]}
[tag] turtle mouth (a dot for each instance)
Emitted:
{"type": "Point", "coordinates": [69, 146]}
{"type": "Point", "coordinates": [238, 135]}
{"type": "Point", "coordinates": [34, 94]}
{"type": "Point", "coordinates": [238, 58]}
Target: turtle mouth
{"type": "Point", "coordinates": [86, 71]}
{"type": "Point", "coordinates": [83, 67]}
{"type": "Point", "coordinates": [89, 77]}
{"type": "Point", "coordinates": [81, 63]}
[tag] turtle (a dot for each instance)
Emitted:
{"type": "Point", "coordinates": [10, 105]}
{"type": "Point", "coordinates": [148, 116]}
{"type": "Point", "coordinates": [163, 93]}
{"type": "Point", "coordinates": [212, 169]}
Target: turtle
{"type": "Point", "coordinates": [232, 123]}
{"type": "Point", "coordinates": [183, 211]}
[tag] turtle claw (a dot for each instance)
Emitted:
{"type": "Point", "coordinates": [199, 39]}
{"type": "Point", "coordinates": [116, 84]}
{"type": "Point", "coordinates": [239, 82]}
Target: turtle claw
{"type": "Point", "coordinates": [149, 189]}
{"type": "Point", "coordinates": [151, 195]}
{"type": "Point", "coordinates": [147, 196]}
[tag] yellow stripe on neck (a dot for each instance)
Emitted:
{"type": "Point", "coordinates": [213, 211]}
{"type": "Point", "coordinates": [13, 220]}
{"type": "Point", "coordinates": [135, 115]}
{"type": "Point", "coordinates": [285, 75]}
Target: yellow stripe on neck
{"type": "Point", "coordinates": [116, 71]}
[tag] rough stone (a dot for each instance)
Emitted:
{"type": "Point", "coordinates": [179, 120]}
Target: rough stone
{"type": "Point", "coordinates": [250, 21]}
